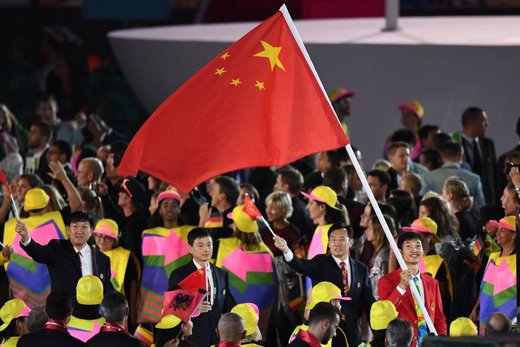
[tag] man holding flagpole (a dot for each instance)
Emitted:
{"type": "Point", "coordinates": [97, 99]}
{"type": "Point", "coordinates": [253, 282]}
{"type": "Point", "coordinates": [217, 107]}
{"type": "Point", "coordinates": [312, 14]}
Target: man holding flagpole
{"type": "Point", "coordinates": [200, 274]}
{"type": "Point", "coordinates": [395, 288]}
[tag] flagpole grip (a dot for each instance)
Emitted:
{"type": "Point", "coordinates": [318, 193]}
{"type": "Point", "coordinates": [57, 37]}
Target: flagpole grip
{"type": "Point", "coordinates": [267, 224]}
{"type": "Point", "coordinates": [16, 214]}
{"type": "Point", "coordinates": [388, 234]}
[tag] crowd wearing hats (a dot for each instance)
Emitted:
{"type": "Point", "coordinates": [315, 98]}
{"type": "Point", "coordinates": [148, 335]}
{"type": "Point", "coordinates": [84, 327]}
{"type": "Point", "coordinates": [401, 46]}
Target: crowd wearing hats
{"type": "Point", "coordinates": [468, 225]}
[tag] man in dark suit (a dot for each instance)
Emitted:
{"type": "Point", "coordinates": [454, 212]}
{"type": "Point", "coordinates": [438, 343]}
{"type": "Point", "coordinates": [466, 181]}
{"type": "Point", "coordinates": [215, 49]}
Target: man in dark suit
{"type": "Point", "coordinates": [479, 150]}
{"type": "Point", "coordinates": [69, 260]}
{"type": "Point", "coordinates": [54, 333]}
{"type": "Point", "coordinates": [290, 180]}
{"type": "Point", "coordinates": [348, 274]}
{"type": "Point", "coordinates": [219, 299]}
{"type": "Point", "coordinates": [324, 319]}
{"type": "Point", "coordinates": [113, 332]}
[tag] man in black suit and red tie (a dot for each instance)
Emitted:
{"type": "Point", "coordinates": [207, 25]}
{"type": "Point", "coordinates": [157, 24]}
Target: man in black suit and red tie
{"type": "Point", "coordinates": [218, 300]}
{"type": "Point", "coordinates": [337, 267]}
{"type": "Point", "coordinates": [69, 260]}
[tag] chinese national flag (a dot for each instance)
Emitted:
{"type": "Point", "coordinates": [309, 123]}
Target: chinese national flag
{"type": "Point", "coordinates": [250, 208]}
{"type": "Point", "coordinates": [257, 103]}
{"type": "Point", "coordinates": [195, 281]}
{"type": "Point", "coordinates": [181, 303]}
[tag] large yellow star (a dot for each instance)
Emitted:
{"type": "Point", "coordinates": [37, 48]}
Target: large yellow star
{"type": "Point", "coordinates": [235, 82]}
{"type": "Point", "coordinates": [220, 71]}
{"type": "Point", "coordinates": [271, 53]}
{"type": "Point", "coordinates": [260, 85]}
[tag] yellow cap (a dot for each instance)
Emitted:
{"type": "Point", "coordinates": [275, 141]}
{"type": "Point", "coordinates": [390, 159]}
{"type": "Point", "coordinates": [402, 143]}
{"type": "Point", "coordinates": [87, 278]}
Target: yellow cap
{"type": "Point", "coordinates": [249, 315]}
{"type": "Point", "coordinates": [324, 292]}
{"type": "Point", "coordinates": [463, 326]}
{"type": "Point", "coordinates": [242, 220]}
{"type": "Point", "coordinates": [35, 199]}
{"type": "Point", "coordinates": [381, 314]}
{"type": "Point", "coordinates": [414, 107]}
{"type": "Point", "coordinates": [424, 225]}
{"type": "Point", "coordinates": [89, 290]}
{"type": "Point", "coordinates": [169, 321]}
{"type": "Point", "coordinates": [12, 309]}
{"type": "Point", "coordinates": [323, 194]}
{"type": "Point", "coordinates": [107, 227]}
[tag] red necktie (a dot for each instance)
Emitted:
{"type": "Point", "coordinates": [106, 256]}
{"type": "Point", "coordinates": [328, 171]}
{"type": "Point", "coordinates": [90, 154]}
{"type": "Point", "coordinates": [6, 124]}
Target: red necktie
{"type": "Point", "coordinates": [344, 275]}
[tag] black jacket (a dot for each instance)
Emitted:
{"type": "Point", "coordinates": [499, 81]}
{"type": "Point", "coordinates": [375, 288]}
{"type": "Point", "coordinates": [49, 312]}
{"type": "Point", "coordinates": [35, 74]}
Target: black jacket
{"type": "Point", "coordinates": [47, 337]}
{"type": "Point", "coordinates": [64, 265]}
{"type": "Point", "coordinates": [323, 268]}
{"type": "Point", "coordinates": [205, 324]}
{"type": "Point", "coordinates": [115, 339]}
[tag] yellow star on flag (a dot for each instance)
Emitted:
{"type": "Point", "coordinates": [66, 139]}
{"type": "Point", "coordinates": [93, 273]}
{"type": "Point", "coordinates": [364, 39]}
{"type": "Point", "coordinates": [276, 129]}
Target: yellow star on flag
{"type": "Point", "coordinates": [271, 53]}
{"type": "Point", "coordinates": [220, 71]}
{"type": "Point", "coordinates": [260, 85]}
{"type": "Point", "coordinates": [235, 82]}
{"type": "Point", "coordinates": [225, 56]}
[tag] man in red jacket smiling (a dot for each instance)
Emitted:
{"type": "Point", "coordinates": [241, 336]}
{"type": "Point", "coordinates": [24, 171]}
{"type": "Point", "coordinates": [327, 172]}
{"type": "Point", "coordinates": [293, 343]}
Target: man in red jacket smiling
{"type": "Point", "coordinates": [394, 287]}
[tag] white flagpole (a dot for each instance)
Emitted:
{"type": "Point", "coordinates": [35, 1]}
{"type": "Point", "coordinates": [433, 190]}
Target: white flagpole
{"type": "Point", "coordinates": [360, 172]}
{"type": "Point", "coordinates": [388, 234]}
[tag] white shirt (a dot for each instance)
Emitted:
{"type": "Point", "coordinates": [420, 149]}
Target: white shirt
{"type": "Point", "coordinates": [209, 276]}
{"type": "Point", "coordinates": [419, 284]}
{"type": "Point", "coordinates": [86, 260]}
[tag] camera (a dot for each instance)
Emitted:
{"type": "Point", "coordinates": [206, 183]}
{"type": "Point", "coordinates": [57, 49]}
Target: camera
{"type": "Point", "coordinates": [509, 166]}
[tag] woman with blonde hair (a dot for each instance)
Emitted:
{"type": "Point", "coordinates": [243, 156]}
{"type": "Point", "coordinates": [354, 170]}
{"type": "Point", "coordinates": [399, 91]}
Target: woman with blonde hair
{"type": "Point", "coordinates": [456, 192]}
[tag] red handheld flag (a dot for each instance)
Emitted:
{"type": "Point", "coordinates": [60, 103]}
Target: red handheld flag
{"type": "Point", "coordinates": [250, 208]}
{"type": "Point", "coordinates": [195, 281]}
{"type": "Point", "coordinates": [258, 103]}
{"type": "Point", "coordinates": [182, 303]}
{"type": "Point", "coordinates": [4, 181]}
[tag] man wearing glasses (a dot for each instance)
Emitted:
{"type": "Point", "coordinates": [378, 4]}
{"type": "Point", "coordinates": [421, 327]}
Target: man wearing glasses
{"type": "Point", "coordinates": [337, 267]}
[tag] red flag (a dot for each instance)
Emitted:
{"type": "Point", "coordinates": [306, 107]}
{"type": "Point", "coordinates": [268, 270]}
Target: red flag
{"type": "Point", "coordinates": [4, 181]}
{"type": "Point", "coordinates": [258, 103]}
{"type": "Point", "coordinates": [182, 303]}
{"type": "Point", "coordinates": [195, 281]}
{"type": "Point", "coordinates": [250, 208]}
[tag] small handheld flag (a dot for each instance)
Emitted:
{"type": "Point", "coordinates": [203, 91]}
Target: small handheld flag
{"type": "Point", "coordinates": [252, 211]}
{"type": "Point", "coordinates": [6, 184]}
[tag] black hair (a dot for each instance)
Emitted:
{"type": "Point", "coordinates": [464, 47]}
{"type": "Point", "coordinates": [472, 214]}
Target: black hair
{"type": "Point", "coordinates": [58, 305]}
{"type": "Point", "coordinates": [323, 311]}
{"type": "Point", "coordinates": [44, 127]}
{"type": "Point", "coordinates": [425, 130]}
{"type": "Point", "coordinates": [34, 180]}
{"type": "Point", "coordinates": [383, 176]}
{"type": "Point", "coordinates": [334, 178]}
{"type": "Point", "coordinates": [82, 216]}
{"type": "Point", "coordinates": [340, 225]}
{"type": "Point", "coordinates": [64, 148]}
{"type": "Point", "coordinates": [229, 187]}
{"type": "Point", "coordinates": [407, 236]}
{"type": "Point", "coordinates": [451, 149]}
{"type": "Point", "coordinates": [471, 114]}
{"type": "Point", "coordinates": [197, 233]}
{"type": "Point", "coordinates": [292, 177]}
{"type": "Point", "coordinates": [404, 135]}
{"type": "Point", "coordinates": [433, 157]}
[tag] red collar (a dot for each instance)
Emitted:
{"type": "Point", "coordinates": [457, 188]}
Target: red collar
{"type": "Point", "coordinates": [228, 344]}
{"type": "Point", "coordinates": [308, 338]}
{"type": "Point", "coordinates": [109, 327]}
{"type": "Point", "coordinates": [56, 325]}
